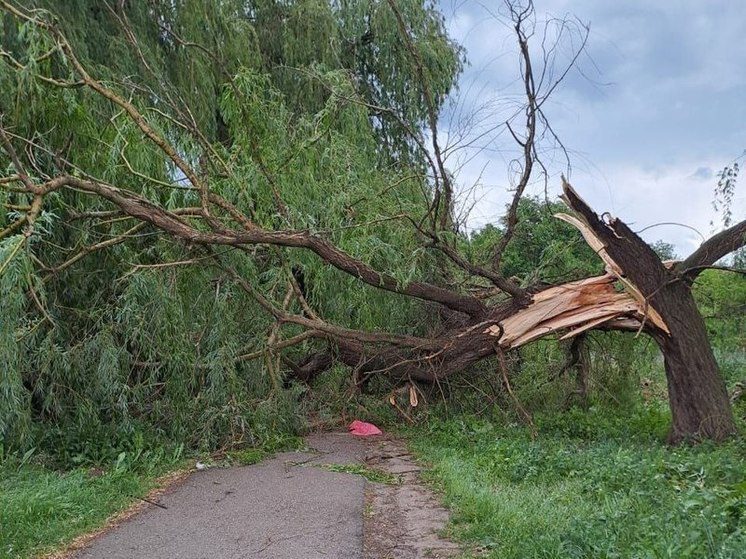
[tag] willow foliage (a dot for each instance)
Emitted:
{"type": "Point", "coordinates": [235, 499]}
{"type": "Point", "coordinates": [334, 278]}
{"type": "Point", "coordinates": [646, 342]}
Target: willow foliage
{"type": "Point", "coordinates": [96, 353]}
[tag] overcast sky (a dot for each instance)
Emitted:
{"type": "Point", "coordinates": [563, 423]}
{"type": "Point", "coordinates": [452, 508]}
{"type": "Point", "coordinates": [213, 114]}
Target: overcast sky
{"type": "Point", "coordinates": [658, 108]}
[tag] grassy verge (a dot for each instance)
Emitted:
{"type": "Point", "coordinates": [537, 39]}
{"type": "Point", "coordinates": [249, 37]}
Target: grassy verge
{"type": "Point", "coordinates": [590, 485]}
{"type": "Point", "coordinates": [43, 509]}
{"type": "Point", "coordinates": [373, 475]}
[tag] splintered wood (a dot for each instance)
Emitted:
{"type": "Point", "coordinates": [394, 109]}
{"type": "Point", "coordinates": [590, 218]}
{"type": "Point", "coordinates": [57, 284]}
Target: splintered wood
{"type": "Point", "coordinates": [580, 305]}
{"type": "Point", "coordinates": [576, 306]}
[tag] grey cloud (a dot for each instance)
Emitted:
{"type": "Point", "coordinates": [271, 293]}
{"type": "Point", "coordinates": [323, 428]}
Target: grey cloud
{"type": "Point", "coordinates": [660, 103]}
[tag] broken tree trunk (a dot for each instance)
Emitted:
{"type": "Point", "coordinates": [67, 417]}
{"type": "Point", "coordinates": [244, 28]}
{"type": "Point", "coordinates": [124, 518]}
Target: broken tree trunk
{"type": "Point", "coordinates": [697, 395]}
{"type": "Point", "coordinates": [638, 293]}
{"type": "Point", "coordinates": [575, 306]}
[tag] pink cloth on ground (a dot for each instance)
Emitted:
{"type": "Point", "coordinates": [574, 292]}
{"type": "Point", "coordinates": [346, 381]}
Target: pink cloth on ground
{"type": "Point", "coordinates": [363, 429]}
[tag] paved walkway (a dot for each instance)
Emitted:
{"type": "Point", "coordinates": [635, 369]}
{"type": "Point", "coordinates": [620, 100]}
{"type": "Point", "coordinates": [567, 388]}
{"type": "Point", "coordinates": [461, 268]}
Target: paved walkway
{"type": "Point", "coordinates": [283, 508]}
{"type": "Point", "coordinates": [290, 508]}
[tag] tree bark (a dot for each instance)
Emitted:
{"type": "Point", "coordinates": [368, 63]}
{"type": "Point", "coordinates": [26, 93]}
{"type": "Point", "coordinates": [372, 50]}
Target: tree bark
{"type": "Point", "coordinates": [697, 395]}
{"type": "Point", "coordinates": [698, 399]}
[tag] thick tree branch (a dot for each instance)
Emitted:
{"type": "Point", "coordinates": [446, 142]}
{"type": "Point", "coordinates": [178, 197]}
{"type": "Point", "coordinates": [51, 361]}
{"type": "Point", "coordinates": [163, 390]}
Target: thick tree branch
{"type": "Point", "coordinates": [712, 250]}
{"type": "Point", "coordinates": [143, 209]}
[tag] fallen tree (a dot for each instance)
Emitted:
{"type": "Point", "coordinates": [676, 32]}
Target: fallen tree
{"type": "Point", "coordinates": [225, 202]}
{"type": "Point", "coordinates": [653, 295]}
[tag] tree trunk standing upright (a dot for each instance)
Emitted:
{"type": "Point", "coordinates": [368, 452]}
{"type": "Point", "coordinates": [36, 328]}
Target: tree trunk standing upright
{"type": "Point", "coordinates": [697, 395]}
{"type": "Point", "coordinates": [696, 390]}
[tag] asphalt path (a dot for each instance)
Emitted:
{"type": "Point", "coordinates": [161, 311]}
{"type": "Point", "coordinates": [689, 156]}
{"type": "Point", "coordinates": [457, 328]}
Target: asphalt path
{"type": "Point", "coordinates": [283, 508]}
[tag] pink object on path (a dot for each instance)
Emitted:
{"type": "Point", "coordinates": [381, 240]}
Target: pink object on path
{"type": "Point", "coordinates": [363, 429]}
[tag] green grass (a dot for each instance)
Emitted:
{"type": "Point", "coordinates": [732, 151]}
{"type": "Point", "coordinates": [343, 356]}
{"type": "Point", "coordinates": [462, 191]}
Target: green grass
{"type": "Point", "coordinates": [42, 509]}
{"type": "Point", "coordinates": [371, 474]}
{"type": "Point", "coordinates": [591, 485]}
{"type": "Point", "coordinates": [245, 457]}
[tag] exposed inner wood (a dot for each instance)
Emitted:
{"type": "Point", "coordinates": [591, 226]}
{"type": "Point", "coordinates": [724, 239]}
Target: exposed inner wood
{"type": "Point", "coordinates": [575, 306]}
{"type": "Point", "coordinates": [581, 305]}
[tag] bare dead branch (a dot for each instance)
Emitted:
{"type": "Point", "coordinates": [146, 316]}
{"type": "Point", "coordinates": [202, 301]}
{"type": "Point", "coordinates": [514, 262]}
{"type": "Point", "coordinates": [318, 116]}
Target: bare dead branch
{"type": "Point", "coordinates": [519, 18]}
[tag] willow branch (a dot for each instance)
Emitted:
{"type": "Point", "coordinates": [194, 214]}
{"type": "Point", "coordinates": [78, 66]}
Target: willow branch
{"type": "Point", "coordinates": [713, 249]}
{"type": "Point", "coordinates": [284, 344]}
{"type": "Point", "coordinates": [145, 210]}
{"type": "Point", "coordinates": [13, 227]}
{"type": "Point", "coordinates": [85, 251]}
{"type": "Point", "coordinates": [497, 279]}
{"type": "Point", "coordinates": [432, 117]}
{"type": "Point", "coordinates": [330, 329]}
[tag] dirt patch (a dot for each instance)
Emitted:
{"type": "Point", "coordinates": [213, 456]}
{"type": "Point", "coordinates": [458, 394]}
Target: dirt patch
{"type": "Point", "coordinates": [404, 520]}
